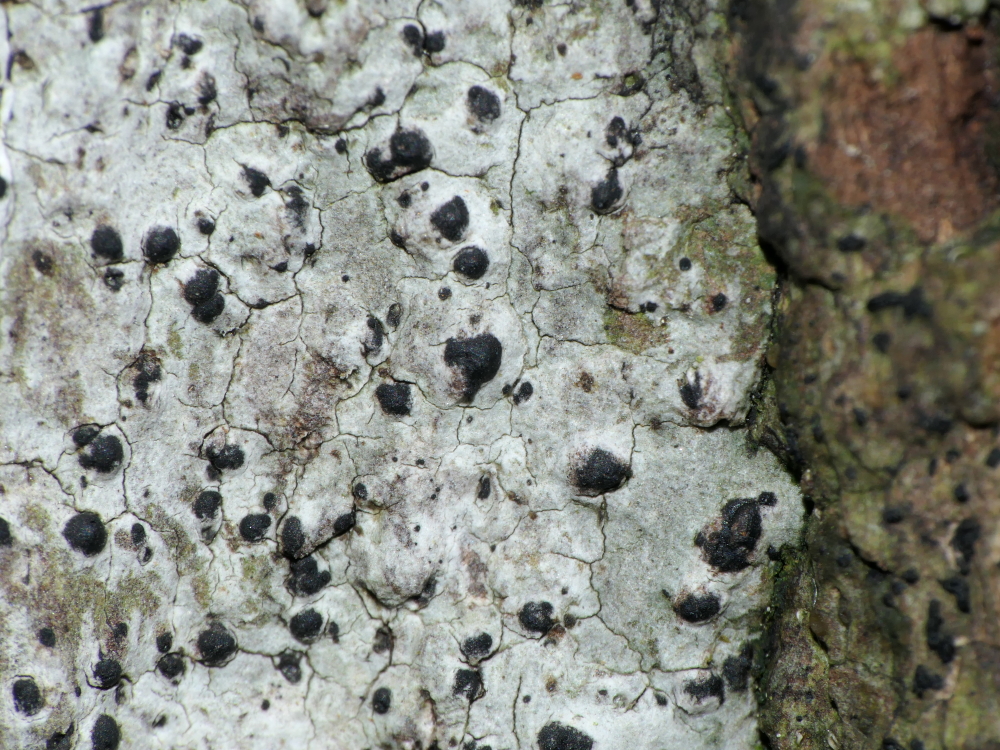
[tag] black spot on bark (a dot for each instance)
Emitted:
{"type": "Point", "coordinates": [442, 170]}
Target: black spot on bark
{"type": "Point", "coordinates": [409, 151]}
{"type": "Point", "coordinates": [344, 523]}
{"type": "Point", "coordinates": [394, 315]}
{"type": "Point", "coordinates": [719, 302]}
{"type": "Point", "coordinates": [882, 341]}
{"type": "Point", "coordinates": [230, 457]}
{"type": "Point", "coordinates": [161, 245]}
{"type": "Point", "coordinates": [939, 641]}
{"type": "Point", "coordinates": [138, 534]}
{"type": "Point", "coordinates": [394, 398]}
{"type": "Point", "coordinates": [95, 25]}
{"type": "Point", "coordinates": [149, 373]}
{"type": "Point", "coordinates": [216, 646]}
{"type": "Point", "coordinates": [606, 193]}
{"type": "Point", "coordinates": [375, 337]}
{"type": "Point", "coordinates": [171, 666]}
{"type": "Point", "coordinates": [205, 225]}
{"type": "Point", "coordinates": [893, 515]}
{"type": "Point", "coordinates": [257, 181]}
{"type": "Point", "coordinates": [413, 38]}
{"type": "Point", "coordinates": [106, 243]}
{"type": "Point", "coordinates": [190, 45]}
{"type": "Point", "coordinates": [254, 526]}
{"type": "Point", "coordinates": [306, 625]}
{"type": "Point", "coordinates": [451, 219]}
{"type": "Point", "coordinates": [292, 536]}
{"type": "Point", "coordinates": [708, 687]}
{"type": "Point", "coordinates": [208, 311]}
{"type": "Point", "coordinates": [201, 287]}
{"type": "Point", "coordinates": [207, 90]}
{"type": "Point", "coordinates": [468, 683]}
{"type": "Point", "coordinates": [484, 488]}
{"type": "Point", "coordinates": [483, 103]}
{"type": "Point", "coordinates": [207, 504]}
{"type": "Point", "coordinates": [736, 669]}
{"type": "Point", "coordinates": [697, 607]}
{"type": "Point", "coordinates": [728, 548]}
{"type": "Point", "coordinates": [61, 740]}
{"type": "Point", "coordinates": [851, 243]}
{"type": "Point", "coordinates": [164, 642]}
{"type": "Point", "coordinates": [383, 640]}
{"type": "Point", "coordinates": [958, 587]}
{"type": "Point", "coordinates": [6, 540]}
{"type": "Point", "coordinates": [691, 392]}
{"type": "Point", "coordinates": [47, 637]}
{"type": "Point", "coordinates": [43, 263]}
{"type": "Point", "coordinates": [600, 471]}
{"type": "Point", "coordinates": [86, 533]}
{"type": "Point", "coordinates": [523, 393]}
{"type": "Point", "coordinates": [107, 673]}
{"type": "Point", "coordinates": [434, 42]}
{"type": "Point", "coordinates": [104, 454]}
{"type": "Point", "coordinates": [684, 264]}
{"type": "Point", "coordinates": [27, 697]}
{"type": "Point", "coordinates": [961, 493]}
{"type": "Point", "coordinates": [478, 360]}
{"type": "Point", "coordinates": [536, 617]}
{"type": "Point", "coordinates": [556, 736]}
{"type": "Point", "coordinates": [175, 115]}
{"type": "Point", "coordinates": [477, 646]}
{"type": "Point", "coordinates": [289, 666]}
{"type": "Point", "coordinates": [912, 303]}
{"type": "Point", "coordinates": [105, 734]}
{"type": "Point", "coordinates": [84, 435]}
{"type": "Point", "coordinates": [963, 541]}
{"type": "Point", "coordinates": [471, 262]}
{"type": "Point", "coordinates": [382, 700]}
{"type": "Point", "coordinates": [925, 680]}
{"type": "Point", "coordinates": [306, 578]}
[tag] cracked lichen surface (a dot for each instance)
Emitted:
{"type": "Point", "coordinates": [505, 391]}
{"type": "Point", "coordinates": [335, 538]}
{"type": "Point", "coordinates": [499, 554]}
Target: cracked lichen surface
{"type": "Point", "coordinates": [367, 493]}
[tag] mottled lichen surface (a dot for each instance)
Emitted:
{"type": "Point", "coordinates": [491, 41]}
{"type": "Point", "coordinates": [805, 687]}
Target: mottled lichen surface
{"type": "Point", "coordinates": [374, 375]}
{"type": "Point", "coordinates": [878, 189]}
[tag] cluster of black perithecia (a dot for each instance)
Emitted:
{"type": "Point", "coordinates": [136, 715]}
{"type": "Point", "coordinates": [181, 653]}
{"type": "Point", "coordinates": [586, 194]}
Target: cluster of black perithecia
{"type": "Point", "coordinates": [730, 542]}
{"type": "Point", "coordinates": [201, 291]}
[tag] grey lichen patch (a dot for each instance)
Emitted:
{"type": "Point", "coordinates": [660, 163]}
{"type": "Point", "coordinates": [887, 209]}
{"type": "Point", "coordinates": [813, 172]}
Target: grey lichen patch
{"type": "Point", "coordinates": [354, 375]}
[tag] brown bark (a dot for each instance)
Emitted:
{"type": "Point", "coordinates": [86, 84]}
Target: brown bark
{"type": "Point", "coordinates": [877, 173]}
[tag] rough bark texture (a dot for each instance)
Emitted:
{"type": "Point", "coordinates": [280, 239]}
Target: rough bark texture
{"type": "Point", "coordinates": [875, 136]}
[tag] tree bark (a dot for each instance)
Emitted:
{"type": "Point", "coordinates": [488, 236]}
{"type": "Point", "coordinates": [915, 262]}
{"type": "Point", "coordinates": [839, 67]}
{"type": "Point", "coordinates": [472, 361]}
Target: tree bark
{"type": "Point", "coordinates": [875, 153]}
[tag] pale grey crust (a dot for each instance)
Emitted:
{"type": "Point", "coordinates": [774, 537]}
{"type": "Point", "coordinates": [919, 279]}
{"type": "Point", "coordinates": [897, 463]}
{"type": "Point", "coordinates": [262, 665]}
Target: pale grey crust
{"type": "Point", "coordinates": [252, 149]}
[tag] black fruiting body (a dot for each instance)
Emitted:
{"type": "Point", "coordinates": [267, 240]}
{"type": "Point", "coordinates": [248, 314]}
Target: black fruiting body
{"type": "Point", "coordinates": [471, 262]}
{"type": "Point", "coordinates": [536, 617]}
{"type": "Point", "coordinates": [477, 359]}
{"type": "Point", "coordinates": [395, 399]}
{"type": "Point", "coordinates": [600, 471]}
{"type": "Point", "coordinates": [697, 607]}
{"type": "Point", "coordinates": [107, 243]}
{"type": "Point", "coordinates": [161, 245]}
{"type": "Point", "coordinates": [86, 533]}
{"type": "Point", "coordinates": [483, 103]}
{"type": "Point", "coordinates": [104, 454]}
{"type": "Point", "coordinates": [451, 219]}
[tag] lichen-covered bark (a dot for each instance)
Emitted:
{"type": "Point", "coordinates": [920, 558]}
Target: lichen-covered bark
{"type": "Point", "coordinates": [876, 166]}
{"type": "Point", "coordinates": [375, 375]}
